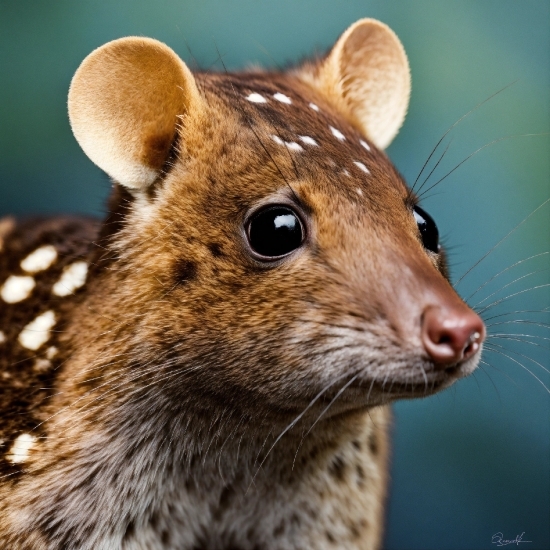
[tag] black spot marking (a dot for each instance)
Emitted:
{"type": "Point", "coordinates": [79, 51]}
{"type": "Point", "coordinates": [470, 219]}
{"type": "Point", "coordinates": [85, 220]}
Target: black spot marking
{"type": "Point", "coordinates": [354, 531]}
{"type": "Point", "coordinates": [280, 529]}
{"type": "Point", "coordinates": [215, 250]}
{"type": "Point", "coordinates": [313, 453]}
{"type": "Point", "coordinates": [373, 443]}
{"type": "Point", "coordinates": [360, 475]}
{"type": "Point", "coordinates": [330, 537]}
{"type": "Point", "coordinates": [165, 537]}
{"type": "Point", "coordinates": [130, 531]}
{"type": "Point", "coordinates": [154, 521]}
{"type": "Point", "coordinates": [184, 271]}
{"type": "Point", "coordinates": [337, 468]}
{"type": "Point", "coordinates": [356, 444]}
{"type": "Point", "coordinates": [226, 497]}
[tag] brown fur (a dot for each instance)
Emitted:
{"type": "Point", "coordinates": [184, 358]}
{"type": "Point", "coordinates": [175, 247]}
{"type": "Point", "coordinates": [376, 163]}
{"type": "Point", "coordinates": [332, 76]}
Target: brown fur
{"type": "Point", "coordinates": [203, 399]}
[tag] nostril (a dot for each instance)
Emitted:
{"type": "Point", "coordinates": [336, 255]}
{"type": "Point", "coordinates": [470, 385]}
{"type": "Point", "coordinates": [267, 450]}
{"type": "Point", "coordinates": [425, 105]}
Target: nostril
{"type": "Point", "coordinates": [451, 335]}
{"type": "Point", "coordinates": [444, 339]}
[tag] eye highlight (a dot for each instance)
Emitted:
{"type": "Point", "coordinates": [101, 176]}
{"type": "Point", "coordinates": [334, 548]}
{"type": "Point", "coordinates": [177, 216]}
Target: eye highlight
{"type": "Point", "coordinates": [428, 230]}
{"type": "Point", "coordinates": [274, 232]}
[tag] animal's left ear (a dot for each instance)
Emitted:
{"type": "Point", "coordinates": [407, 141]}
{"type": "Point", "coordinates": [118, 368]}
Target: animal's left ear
{"type": "Point", "coordinates": [367, 76]}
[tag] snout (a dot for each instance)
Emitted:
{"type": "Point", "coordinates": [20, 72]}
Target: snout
{"type": "Point", "coordinates": [451, 335]}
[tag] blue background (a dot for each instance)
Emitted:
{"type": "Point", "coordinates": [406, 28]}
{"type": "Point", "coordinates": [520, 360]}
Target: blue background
{"type": "Point", "coordinates": [474, 460]}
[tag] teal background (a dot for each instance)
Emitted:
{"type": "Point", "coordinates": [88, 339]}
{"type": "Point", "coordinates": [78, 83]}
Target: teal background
{"type": "Point", "coordinates": [474, 460]}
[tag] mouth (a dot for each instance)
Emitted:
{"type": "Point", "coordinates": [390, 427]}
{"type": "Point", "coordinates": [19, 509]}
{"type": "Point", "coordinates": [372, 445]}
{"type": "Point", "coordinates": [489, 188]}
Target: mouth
{"type": "Point", "coordinates": [425, 381]}
{"type": "Point", "coordinates": [396, 389]}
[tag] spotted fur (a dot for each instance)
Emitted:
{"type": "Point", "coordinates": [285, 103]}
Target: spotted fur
{"type": "Point", "coordinates": [184, 395]}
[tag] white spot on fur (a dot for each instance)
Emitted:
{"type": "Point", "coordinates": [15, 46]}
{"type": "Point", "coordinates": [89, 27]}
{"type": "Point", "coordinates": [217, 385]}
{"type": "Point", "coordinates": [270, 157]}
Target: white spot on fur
{"type": "Point", "coordinates": [41, 365]}
{"type": "Point", "coordinates": [359, 192]}
{"type": "Point", "coordinates": [337, 134]}
{"type": "Point", "coordinates": [20, 449]}
{"type": "Point", "coordinates": [72, 278]}
{"type": "Point", "coordinates": [256, 98]}
{"type": "Point", "coordinates": [2, 337]}
{"type": "Point", "coordinates": [308, 140]}
{"type": "Point", "coordinates": [17, 288]}
{"type": "Point", "coordinates": [37, 332]}
{"type": "Point", "coordinates": [40, 259]}
{"type": "Point", "coordinates": [364, 144]}
{"type": "Point", "coordinates": [314, 107]}
{"type": "Point", "coordinates": [346, 173]}
{"type": "Point", "coordinates": [361, 166]}
{"type": "Point", "coordinates": [282, 98]}
{"type": "Point", "coordinates": [51, 352]}
{"type": "Point", "coordinates": [292, 145]}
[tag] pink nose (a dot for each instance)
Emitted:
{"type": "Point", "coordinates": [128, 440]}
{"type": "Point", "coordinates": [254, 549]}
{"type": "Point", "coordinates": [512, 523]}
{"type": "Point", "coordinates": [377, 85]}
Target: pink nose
{"type": "Point", "coordinates": [451, 335]}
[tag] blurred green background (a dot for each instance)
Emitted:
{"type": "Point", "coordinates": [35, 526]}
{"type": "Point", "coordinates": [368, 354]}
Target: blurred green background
{"type": "Point", "coordinates": [474, 460]}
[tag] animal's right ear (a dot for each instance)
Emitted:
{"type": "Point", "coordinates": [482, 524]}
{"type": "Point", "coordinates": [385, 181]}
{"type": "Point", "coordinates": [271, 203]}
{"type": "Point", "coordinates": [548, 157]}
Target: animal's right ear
{"type": "Point", "coordinates": [124, 103]}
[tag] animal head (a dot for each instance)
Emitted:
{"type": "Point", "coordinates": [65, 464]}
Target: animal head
{"type": "Point", "coordinates": [269, 252]}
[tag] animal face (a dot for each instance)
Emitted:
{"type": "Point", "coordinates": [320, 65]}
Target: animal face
{"type": "Point", "coordinates": [268, 241]}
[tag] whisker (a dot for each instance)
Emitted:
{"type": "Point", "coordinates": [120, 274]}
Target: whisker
{"type": "Point", "coordinates": [500, 273]}
{"type": "Point", "coordinates": [262, 145]}
{"type": "Point", "coordinates": [295, 421]}
{"type": "Point", "coordinates": [517, 334]}
{"type": "Point", "coordinates": [436, 165]}
{"type": "Point", "coordinates": [506, 298]}
{"type": "Point", "coordinates": [500, 352]}
{"type": "Point", "coordinates": [500, 242]}
{"type": "Point", "coordinates": [544, 310]}
{"type": "Point", "coordinates": [500, 372]}
{"type": "Point", "coordinates": [508, 284]}
{"type": "Point", "coordinates": [475, 153]}
{"type": "Point", "coordinates": [500, 347]}
{"type": "Point", "coordinates": [491, 380]}
{"type": "Point", "coordinates": [338, 394]}
{"type": "Point", "coordinates": [455, 124]}
{"type": "Point", "coordinates": [519, 322]}
{"type": "Point", "coordinates": [334, 325]}
{"type": "Point", "coordinates": [522, 340]}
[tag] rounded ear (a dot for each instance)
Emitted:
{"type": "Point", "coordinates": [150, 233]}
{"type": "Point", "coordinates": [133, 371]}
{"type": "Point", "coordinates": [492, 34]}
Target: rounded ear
{"type": "Point", "coordinates": [124, 101]}
{"type": "Point", "coordinates": [367, 75]}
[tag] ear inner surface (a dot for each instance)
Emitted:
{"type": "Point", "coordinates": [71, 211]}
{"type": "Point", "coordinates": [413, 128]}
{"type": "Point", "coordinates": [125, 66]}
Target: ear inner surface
{"type": "Point", "coordinates": [367, 75]}
{"type": "Point", "coordinates": [124, 101]}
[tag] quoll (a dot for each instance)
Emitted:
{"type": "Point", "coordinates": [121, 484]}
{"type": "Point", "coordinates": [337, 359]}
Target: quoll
{"type": "Point", "coordinates": [211, 367]}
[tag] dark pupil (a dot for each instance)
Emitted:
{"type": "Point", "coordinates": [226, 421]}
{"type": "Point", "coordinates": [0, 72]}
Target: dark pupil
{"type": "Point", "coordinates": [428, 229]}
{"type": "Point", "coordinates": [275, 231]}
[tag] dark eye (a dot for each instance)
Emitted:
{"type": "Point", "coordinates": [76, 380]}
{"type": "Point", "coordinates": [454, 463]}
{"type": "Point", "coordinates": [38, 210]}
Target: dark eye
{"type": "Point", "coordinates": [428, 229]}
{"type": "Point", "coordinates": [275, 231]}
